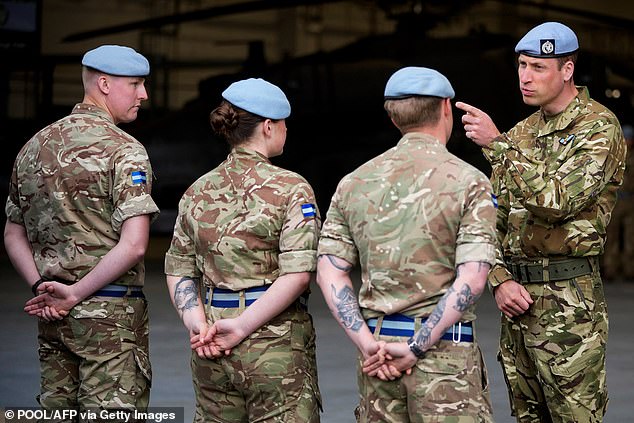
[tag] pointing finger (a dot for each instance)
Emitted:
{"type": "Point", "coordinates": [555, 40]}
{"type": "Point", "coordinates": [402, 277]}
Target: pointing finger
{"type": "Point", "coordinates": [467, 108]}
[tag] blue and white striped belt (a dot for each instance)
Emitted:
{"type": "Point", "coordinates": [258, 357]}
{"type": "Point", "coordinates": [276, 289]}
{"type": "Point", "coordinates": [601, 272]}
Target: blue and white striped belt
{"type": "Point", "coordinates": [227, 298]}
{"type": "Point", "coordinates": [120, 291]}
{"type": "Point", "coordinates": [402, 325]}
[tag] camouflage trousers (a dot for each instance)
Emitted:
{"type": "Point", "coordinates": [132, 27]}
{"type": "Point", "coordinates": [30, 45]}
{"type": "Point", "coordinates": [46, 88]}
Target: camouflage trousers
{"type": "Point", "coordinates": [450, 384]}
{"type": "Point", "coordinates": [96, 357]}
{"type": "Point", "coordinates": [553, 356]}
{"type": "Point", "coordinates": [270, 377]}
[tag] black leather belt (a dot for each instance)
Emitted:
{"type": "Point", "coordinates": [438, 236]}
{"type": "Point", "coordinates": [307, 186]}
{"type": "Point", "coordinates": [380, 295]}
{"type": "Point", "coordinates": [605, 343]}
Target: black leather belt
{"type": "Point", "coordinates": [545, 270]}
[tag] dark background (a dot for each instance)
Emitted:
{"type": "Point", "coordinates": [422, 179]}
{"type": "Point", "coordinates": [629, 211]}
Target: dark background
{"type": "Point", "coordinates": [332, 59]}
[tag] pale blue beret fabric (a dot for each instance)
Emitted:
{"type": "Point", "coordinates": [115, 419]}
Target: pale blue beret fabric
{"type": "Point", "coordinates": [412, 81]}
{"type": "Point", "coordinates": [259, 97]}
{"type": "Point", "coordinates": [550, 39]}
{"type": "Point", "coordinates": [117, 60]}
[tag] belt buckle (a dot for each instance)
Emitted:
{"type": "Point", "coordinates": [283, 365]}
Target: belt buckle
{"type": "Point", "coordinates": [546, 269]}
{"type": "Point", "coordinates": [455, 338]}
{"type": "Point", "coordinates": [523, 273]}
{"type": "Point", "coordinates": [520, 272]}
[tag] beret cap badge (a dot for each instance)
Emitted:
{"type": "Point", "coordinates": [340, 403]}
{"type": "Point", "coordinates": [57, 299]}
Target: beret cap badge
{"type": "Point", "coordinates": [547, 46]}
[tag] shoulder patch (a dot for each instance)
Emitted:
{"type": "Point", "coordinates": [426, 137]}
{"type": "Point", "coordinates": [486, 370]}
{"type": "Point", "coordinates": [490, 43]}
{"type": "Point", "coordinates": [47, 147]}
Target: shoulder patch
{"type": "Point", "coordinates": [308, 210]}
{"type": "Point", "coordinates": [139, 177]}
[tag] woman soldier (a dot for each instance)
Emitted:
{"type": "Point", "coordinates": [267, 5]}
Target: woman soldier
{"type": "Point", "coordinates": [238, 270]}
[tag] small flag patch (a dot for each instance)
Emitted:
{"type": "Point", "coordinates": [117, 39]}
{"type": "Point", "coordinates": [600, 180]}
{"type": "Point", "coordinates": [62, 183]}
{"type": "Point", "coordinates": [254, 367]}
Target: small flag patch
{"type": "Point", "coordinates": [138, 177]}
{"type": "Point", "coordinates": [308, 210]}
{"type": "Point", "coordinates": [494, 198]}
{"type": "Point", "coordinates": [568, 139]}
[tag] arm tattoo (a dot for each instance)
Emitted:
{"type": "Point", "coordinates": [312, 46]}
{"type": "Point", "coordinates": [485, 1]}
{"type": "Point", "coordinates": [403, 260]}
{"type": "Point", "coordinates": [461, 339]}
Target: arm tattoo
{"type": "Point", "coordinates": [423, 336]}
{"type": "Point", "coordinates": [347, 308]}
{"type": "Point", "coordinates": [465, 298]}
{"type": "Point", "coordinates": [344, 268]}
{"type": "Point", "coordinates": [186, 294]}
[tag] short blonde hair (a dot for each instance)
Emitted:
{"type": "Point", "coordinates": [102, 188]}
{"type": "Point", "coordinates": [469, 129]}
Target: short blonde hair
{"type": "Point", "coordinates": [412, 112]}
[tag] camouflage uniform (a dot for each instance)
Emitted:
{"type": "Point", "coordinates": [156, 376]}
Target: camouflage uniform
{"type": "Point", "coordinates": [242, 225]}
{"type": "Point", "coordinates": [410, 216]}
{"type": "Point", "coordinates": [556, 183]}
{"type": "Point", "coordinates": [73, 185]}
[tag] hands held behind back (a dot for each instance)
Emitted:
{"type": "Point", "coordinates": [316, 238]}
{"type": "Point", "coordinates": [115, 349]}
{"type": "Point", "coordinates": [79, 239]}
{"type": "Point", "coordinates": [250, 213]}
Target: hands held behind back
{"type": "Point", "coordinates": [217, 340]}
{"type": "Point", "coordinates": [53, 302]}
{"type": "Point", "coordinates": [389, 361]}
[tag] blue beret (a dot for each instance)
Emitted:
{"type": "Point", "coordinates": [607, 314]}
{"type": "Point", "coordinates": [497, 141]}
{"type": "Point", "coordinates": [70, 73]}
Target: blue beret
{"type": "Point", "coordinates": [117, 60]}
{"type": "Point", "coordinates": [259, 97]}
{"type": "Point", "coordinates": [411, 81]}
{"type": "Point", "coordinates": [550, 39]}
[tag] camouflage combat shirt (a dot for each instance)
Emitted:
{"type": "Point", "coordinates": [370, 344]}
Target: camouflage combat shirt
{"type": "Point", "coordinates": [410, 216]}
{"type": "Point", "coordinates": [556, 181]}
{"type": "Point", "coordinates": [73, 185]}
{"type": "Point", "coordinates": [244, 224]}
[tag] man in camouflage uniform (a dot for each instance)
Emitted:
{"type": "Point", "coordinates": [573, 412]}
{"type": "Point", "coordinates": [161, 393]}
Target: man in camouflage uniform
{"type": "Point", "coordinates": [555, 175]}
{"type": "Point", "coordinates": [238, 270]}
{"type": "Point", "coordinates": [78, 217]}
{"type": "Point", "coordinates": [421, 222]}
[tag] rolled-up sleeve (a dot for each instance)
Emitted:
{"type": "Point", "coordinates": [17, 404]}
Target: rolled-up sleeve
{"type": "Point", "coordinates": [300, 232]}
{"type": "Point", "coordinates": [476, 236]}
{"type": "Point", "coordinates": [336, 238]}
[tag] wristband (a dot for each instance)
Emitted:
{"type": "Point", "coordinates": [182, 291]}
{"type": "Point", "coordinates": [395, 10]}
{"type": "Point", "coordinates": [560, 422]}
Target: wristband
{"type": "Point", "coordinates": [415, 349]}
{"type": "Point", "coordinates": [37, 283]}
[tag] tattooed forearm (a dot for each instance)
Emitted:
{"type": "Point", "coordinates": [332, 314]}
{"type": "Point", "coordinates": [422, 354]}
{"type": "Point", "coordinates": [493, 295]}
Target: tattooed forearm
{"type": "Point", "coordinates": [337, 264]}
{"type": "Point", "coordinates": [423, 336]}
{"type": "Point", "coordinates": [347, 308]}
{"type": "Point", "coordinates": [465, 298]}
{"type": "Point", "coordinates": [186, 294]}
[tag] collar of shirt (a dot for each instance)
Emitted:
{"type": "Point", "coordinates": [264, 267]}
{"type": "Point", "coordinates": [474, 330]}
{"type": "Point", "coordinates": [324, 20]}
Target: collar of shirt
{"type": "Point", "coordinates": [244, 153]}
{"type": "Point", "coordinates": [91, 109]}
{"type": "Point", "coordinates": [566, 117]}
{"type": "Point", "coordinates": [419, 137]}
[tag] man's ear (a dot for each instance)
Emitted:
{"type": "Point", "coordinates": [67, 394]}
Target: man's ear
{"type": "Point", "coordinates": [103, 83]}
{"type": "Point", "coordinates": [569, 70]}
{"type": "Point", "coordinates": [447, 110]}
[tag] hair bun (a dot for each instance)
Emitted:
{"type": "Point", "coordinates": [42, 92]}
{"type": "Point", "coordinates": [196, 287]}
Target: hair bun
{"type": "Point", "coordinates": [224, 119]}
